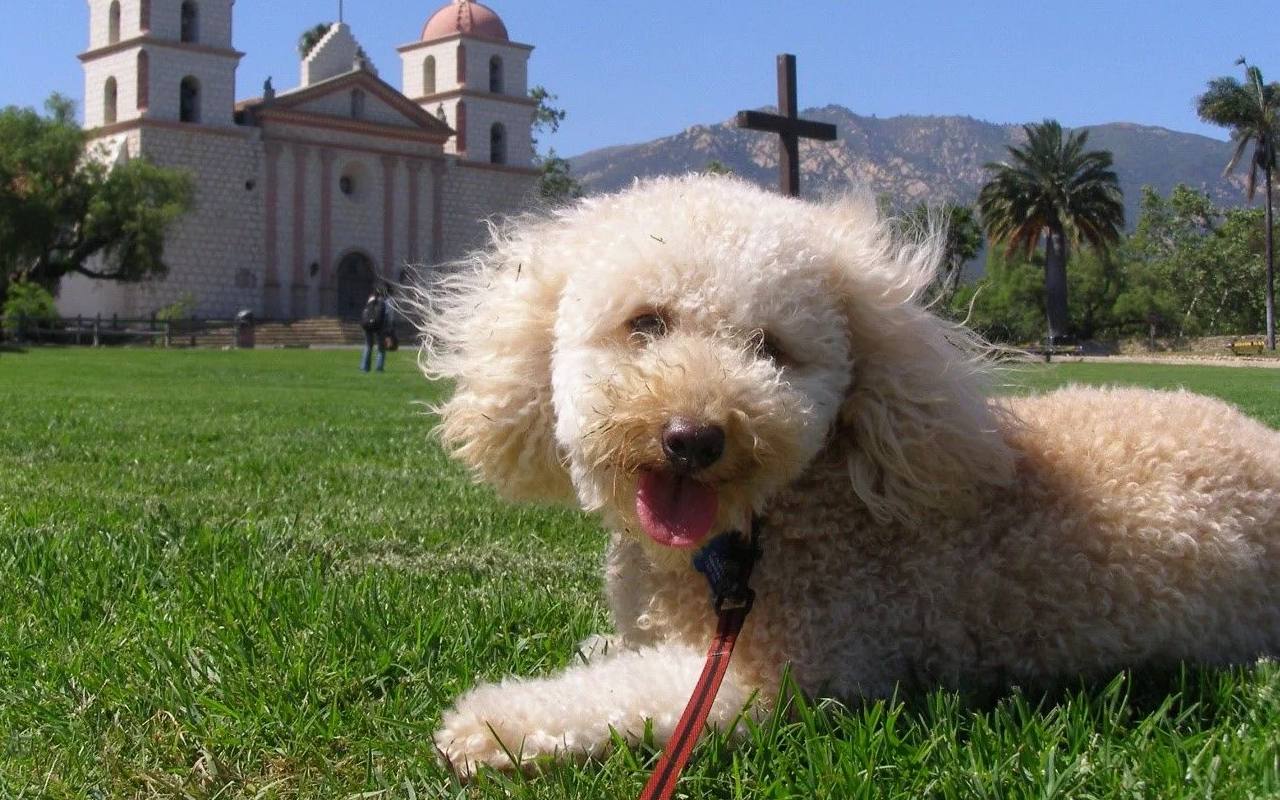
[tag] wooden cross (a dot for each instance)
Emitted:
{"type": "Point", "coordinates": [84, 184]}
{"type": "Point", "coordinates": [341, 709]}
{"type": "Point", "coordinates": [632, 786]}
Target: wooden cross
{"type": "Point", "coordinates": [788, 125]}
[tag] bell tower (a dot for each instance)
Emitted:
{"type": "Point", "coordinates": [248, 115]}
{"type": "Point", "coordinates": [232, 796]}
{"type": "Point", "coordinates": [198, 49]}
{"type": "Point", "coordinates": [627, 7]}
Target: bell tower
{"type": "Point", "coordinates": [168, 60]}
{"type": "Point", "coordinates": [467, 70]}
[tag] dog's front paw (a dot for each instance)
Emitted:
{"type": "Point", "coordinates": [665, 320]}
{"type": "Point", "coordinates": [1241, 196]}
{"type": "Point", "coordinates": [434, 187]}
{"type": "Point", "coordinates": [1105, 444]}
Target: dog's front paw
{"type": "Point", "coordinates": [479, 731]}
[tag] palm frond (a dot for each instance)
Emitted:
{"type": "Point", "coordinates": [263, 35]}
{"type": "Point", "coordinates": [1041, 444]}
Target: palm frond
{"type": "Point", "coordinates": [1251, 110]}
{"type": "Point", "coordinates": [1242, 140]}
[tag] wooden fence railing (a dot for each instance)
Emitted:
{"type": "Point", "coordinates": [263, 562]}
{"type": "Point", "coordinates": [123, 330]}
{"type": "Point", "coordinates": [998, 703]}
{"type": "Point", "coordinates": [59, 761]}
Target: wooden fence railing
{"type": "Point", "coordinates": [241, 332]}
{"type": "Point", "coordinates": [98, 330]}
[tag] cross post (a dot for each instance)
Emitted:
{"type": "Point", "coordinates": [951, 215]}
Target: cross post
{"type": "Point", "coordinates": [788, 125]}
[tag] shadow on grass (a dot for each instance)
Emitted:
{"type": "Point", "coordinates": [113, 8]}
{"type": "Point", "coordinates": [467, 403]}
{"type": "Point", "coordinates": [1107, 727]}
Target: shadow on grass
{"type": "Point", "coordinates": [1187, 691]}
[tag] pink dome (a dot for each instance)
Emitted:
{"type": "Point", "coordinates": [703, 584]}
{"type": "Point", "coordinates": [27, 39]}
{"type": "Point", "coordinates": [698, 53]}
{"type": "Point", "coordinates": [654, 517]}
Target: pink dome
{"type": "Point", "coordinates": [463, 16]}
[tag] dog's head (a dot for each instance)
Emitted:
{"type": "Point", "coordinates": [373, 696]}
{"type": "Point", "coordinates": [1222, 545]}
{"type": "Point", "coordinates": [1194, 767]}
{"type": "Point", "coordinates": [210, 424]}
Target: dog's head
{"type": "Point", "coordinates": [675, 354]}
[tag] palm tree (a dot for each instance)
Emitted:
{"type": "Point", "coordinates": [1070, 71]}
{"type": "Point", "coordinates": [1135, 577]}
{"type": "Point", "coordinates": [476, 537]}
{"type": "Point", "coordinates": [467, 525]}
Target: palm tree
{"type": "Point", "coordinates": [1252, 111]}
{"type": "Point", "coordinates": [1053, 189]}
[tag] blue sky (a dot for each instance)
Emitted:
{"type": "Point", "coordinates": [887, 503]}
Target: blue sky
{"type": "Point", "coordinates": [633, 71]}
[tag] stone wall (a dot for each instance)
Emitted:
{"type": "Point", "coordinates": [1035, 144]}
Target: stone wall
{"type": "Point", "coordinates": [517, 119]}
{"type": "Point", "coordinates": [99, 15]}
{"type": "Point", "coordinates": [214, 253]}
{"type": "Point", "coordinates": [515, 66]}
{"type": "Point", "coordinates": [474, 194]}
{"type": "Point", "coordinates": [216, 75]}
{"type": "Point", "coordinates": [413, 68]}
{"type": "Point", "coordinates": [213, 27]}
{"type": "Point", "coordinates": [1201, 345]}
{"type": "Point", "coordinates": [123, 66]}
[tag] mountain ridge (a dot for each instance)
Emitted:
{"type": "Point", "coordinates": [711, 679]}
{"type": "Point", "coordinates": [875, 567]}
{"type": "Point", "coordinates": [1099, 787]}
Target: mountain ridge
{"type": "Point", "coordinates": [913, 158]}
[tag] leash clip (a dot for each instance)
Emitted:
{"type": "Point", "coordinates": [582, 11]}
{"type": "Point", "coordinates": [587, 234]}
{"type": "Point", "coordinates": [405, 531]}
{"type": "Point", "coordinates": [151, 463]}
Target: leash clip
{"type": "Point", "coordinates": [726, 563]}
{"type": "Point", "coordinates": [741, 603]}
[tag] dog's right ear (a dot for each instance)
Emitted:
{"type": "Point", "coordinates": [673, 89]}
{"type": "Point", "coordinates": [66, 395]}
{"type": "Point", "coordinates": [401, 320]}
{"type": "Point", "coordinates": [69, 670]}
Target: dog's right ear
{"type": "Point", "coordinates": [488, 326]}
{"type": "Point", "coordinates": [918, 431]}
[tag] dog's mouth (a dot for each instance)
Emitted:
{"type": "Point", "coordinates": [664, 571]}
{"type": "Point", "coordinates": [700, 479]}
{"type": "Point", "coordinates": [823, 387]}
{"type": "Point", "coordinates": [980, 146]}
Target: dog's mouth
{"type": "Point", "coordinates": [675, 510]}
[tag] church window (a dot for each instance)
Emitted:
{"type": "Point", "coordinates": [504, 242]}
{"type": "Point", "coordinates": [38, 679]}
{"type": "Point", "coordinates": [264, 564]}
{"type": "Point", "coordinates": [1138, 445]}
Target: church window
{"type": "Point", "coordinates": [110, 95]}
{"type": "Point", "coordinates": [189, 100]}
{"type": "Point", "coordinates": [495, 75]}
{"type": "Point", "coordinates": [190, 22]}
{"type": "Point", "coordinates": [357, 104]}
{"type": "Point", "coordinates": [353, 181]}
{"type": "Point", "coordinates": [113, 23]}
{"type": "Point", "coordinates": [144, 15]}
{"type": "Point", "coordinates": [497, 144]}
{"type": "Point", "coordinates": [144, 80]}
{"type": "Point", "coordinates": [429, 75]}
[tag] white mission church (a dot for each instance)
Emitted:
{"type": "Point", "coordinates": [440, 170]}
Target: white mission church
{"type": "Point", "coordinates": [305, 197]}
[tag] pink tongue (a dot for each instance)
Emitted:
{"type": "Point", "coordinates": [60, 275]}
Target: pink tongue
{"type": "Point", "coordinates": [674, 510]}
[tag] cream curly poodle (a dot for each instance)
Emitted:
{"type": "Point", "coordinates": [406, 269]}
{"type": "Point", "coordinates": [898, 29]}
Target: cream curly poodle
{"type": "Point", "coordinates": [687, 353]}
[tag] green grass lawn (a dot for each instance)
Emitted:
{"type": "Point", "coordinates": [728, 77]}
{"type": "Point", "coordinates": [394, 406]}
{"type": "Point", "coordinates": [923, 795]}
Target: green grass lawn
{"type": "Point", "coordinates": [253, 574]}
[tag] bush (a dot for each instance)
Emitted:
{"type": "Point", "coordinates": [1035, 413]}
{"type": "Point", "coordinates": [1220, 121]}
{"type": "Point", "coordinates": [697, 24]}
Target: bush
{"type": "Point", "coordinates": [182, 308]}
{"type": "Point", "coordinates": [27, 301]}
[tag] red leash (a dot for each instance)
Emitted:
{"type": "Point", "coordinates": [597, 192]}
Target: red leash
{"type": "Point", "coordinates": [727, 564]}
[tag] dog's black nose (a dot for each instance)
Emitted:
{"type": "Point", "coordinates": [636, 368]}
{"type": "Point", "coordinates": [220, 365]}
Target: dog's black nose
{"type": "Point", "coordinates": [690, 446]}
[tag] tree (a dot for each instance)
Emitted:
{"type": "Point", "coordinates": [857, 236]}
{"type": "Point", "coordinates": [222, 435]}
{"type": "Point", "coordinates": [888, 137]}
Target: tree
{"type": "Point", "coordinates": [546, 117]}
{"type": "Point", "coordinates": [716, 167]}
{"type": "Point", "coordinates": [556, 185]}
{"type": "Point", "coordinates": [1007, 304]}
{"type": "Point", "coordinates": [311, 37]}
{"type": "Point", "coordinates": [1094, 282]}
{"type": "Point", "coordinates": [1053, 189]}
{"type": "Point", "coordinates": [1252, 111]}
{"type": "Point", "coordinates": [963, 240]}
{"type": "Point", "coordinates": [1196, 264]}
{"type": "Point", "coordinates": [61, 212]}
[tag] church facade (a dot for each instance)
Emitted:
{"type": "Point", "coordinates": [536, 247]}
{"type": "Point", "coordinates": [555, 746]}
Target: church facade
{"type": "Point", "coordinates": [305, 198]}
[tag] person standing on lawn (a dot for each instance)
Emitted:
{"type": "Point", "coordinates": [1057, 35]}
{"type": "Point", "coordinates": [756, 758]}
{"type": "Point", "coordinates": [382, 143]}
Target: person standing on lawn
{"type": "Point", "coordinates": [379, 328]}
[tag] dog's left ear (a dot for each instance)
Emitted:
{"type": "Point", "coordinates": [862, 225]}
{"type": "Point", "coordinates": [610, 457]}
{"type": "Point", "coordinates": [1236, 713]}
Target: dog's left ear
{"type": "Point", "coordinates": [489, 328]}
{"type": "Point", "coordinates": [916, 427]}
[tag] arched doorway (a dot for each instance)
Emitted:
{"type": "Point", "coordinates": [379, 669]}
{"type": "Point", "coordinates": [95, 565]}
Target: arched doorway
{"type": "Point", "coordinates": [356, 279]}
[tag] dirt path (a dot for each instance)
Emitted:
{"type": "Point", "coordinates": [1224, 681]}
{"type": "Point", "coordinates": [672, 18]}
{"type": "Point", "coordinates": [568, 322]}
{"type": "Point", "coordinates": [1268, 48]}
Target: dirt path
{"type": "Point", "coordinates": [1192, 360]}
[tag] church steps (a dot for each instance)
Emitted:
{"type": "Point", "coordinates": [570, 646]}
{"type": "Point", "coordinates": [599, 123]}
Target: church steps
{"type": "Point", "coordinates": [310, 332]}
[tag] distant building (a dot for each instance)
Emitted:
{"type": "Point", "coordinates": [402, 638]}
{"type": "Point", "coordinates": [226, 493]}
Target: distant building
{"type": "Point", "coordinates": [305, 197]}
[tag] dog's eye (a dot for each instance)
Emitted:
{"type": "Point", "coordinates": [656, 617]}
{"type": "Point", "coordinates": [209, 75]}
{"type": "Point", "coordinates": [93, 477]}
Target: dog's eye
{"type": "Point", "coordinates": [650, 325]}
{"type": "Point", "coordinates": [767, 347]}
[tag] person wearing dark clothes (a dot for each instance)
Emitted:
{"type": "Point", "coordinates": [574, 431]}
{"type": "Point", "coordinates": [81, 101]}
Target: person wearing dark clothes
{"type": "Point", "coordinates": [376, 320]}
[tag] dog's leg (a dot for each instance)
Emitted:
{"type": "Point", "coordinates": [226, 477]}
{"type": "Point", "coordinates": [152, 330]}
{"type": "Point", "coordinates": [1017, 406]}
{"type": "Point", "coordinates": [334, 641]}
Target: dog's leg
{"type": "Point", "coordinates": [571, 715]}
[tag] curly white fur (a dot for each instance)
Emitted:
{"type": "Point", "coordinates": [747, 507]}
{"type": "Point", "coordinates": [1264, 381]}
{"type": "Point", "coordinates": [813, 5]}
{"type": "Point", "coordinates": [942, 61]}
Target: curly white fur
{"type": "Point", "coordinates": [916, 533]}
